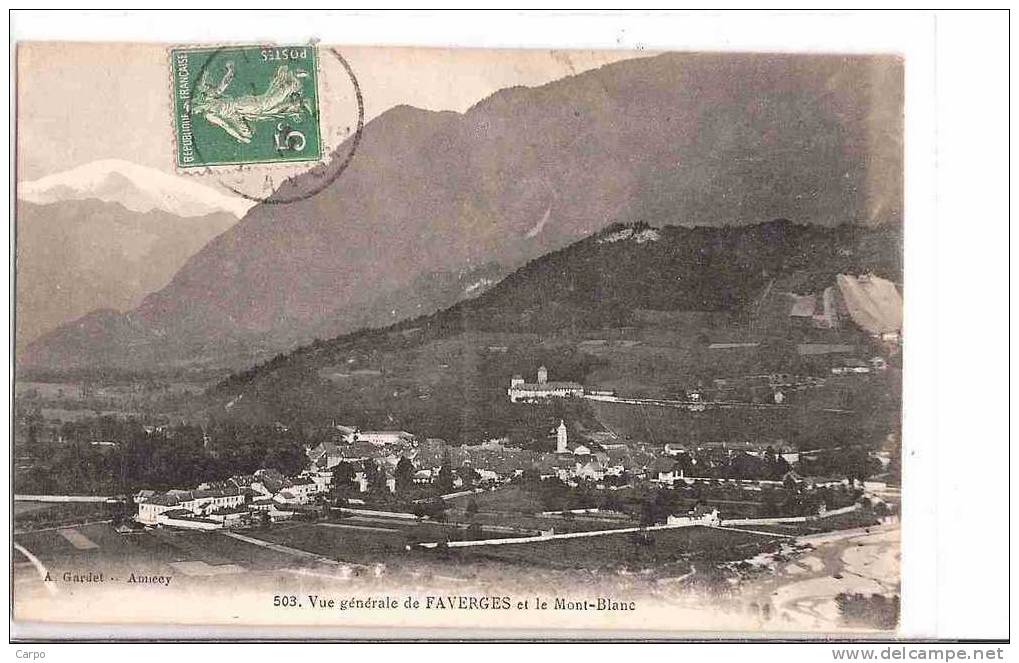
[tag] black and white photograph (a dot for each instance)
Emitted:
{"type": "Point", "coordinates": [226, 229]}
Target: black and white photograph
{"type": "Point", "coordinates": [520, 342]}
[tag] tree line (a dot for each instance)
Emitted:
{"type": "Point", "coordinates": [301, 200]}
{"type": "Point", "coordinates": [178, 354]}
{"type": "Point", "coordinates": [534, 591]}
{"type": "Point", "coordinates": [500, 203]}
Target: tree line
{"type": "Point", "coordinates": [111, 457]}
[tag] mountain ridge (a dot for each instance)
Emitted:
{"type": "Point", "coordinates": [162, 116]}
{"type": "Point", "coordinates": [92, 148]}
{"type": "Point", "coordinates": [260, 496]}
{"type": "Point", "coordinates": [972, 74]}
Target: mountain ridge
{"type": "Point", "coordinates": [704, 283]}
{"type": "Point", "coordinates": [136, 187]}
{"type": "Point", "coordinates": [709, 139]}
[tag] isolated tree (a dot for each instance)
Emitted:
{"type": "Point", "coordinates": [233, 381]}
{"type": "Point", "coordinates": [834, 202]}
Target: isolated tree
{"type": "Point", "coordinates": [856, 464]}
{"type": "Point", "coordinates": [379, 486]}
{"type": "Point", "coordinates": [684, 464]}
{"type": "Point", "coordinates": [342, 484]}
{"type": "Point", "coordinates": [779, 468]}
{"type": "Point", "coordinates": [371, 470]}
{"type": "Point", "coordinates": [404, 475]}
{"type": "Point", "coordinates": [444, 484]}
{"type": "Point", "coordinates": [612, 503]}
{"type": "Point", "coordinates": [468, 475]}
{"type": "Point", "coordinates": [648, 513]}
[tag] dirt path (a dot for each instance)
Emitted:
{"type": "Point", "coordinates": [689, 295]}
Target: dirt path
{"type": "Point", "coordinates": [365, 528]}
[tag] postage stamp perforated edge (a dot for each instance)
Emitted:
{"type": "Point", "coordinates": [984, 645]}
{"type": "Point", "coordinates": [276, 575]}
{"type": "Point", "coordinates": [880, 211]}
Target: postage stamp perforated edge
{"type": "Point", "coordinates": [283, 166]}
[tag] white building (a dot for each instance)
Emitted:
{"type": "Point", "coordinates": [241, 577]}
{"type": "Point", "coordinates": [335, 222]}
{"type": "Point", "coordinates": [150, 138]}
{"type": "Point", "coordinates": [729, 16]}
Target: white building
{"type": "Point", "coordinates": [381, 438]}
{"type": "Point", "coordinates": [347, 433]}
{"type": "Point", "coordinates": [542, 389]}
{"type": "Point", "coordinates": [261, 504]}
{"type": "Point", "coordinates": [322, 481]}
{"type": "Point", "coordinates": [487, 475]}
{"type": "Point", "coordinates": [288, 498]}
{"type": "Point", "coordinates": [232, 517]}
{"type": "Point", "coordinates": [184, 519]}
{"type": "Point", "coordinates": [592, 470]}
{"type": "Point", "coordinates": [710, 519]}
{"type": "Point", "coordinates": [198, 502]}
{"type": "Point", "coordinates": [304, 489]}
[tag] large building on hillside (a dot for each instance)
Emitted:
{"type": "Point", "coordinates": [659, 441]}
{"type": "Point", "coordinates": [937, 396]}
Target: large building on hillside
{"type": "Point", "coordinates": [520, 391]}
{"type": "Point", "coordinates": [381, 438]}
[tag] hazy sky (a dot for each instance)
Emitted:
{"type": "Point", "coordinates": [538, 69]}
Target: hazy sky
{"type": "Point", "coordinates": [79, 102]}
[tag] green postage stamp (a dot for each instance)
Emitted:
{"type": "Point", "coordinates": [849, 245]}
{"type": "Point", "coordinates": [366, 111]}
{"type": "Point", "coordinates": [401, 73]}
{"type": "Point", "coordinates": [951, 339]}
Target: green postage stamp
{"type": "Point", "coordinates": [245, 104]}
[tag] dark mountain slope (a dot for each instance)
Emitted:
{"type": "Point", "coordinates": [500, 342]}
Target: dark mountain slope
{"type": "Point", "coordinates": [80, 255]}
{"type": "Point", "coordinates": [603, 279]}
{"type": "Point", "coordinates": [431, 373]}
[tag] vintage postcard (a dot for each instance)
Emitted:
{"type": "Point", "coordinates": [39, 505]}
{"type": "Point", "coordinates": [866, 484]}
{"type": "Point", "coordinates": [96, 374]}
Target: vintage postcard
{"type": "Point", "coordinates": [522, 343]}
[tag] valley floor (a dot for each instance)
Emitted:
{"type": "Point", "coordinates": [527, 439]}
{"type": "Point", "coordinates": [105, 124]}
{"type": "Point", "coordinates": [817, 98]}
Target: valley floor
{"type": "Point", "coordinates": [239, 574]}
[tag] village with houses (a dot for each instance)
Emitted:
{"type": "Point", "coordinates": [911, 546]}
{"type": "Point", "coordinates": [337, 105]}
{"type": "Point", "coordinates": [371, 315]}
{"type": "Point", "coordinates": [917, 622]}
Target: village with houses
{"type": "Point", "coordinates": [722, 484]}
{"type": "Point", "coordinates": [357, 468]}
{"type": "Point", "coordinates": [717, 483]}
{"type": "Point", "coordinates": [591, 456]}
{"type": "Point", "coordinates": [690, 486]}
{"type": "Point", "coordinates": [394, 499]}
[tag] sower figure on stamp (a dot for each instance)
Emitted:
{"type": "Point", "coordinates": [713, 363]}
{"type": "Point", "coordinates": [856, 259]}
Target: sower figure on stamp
{"type": "Point", "coordinates": [284, 99]}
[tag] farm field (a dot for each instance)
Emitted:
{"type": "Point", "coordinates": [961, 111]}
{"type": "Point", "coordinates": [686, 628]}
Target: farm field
{"type": "Point", "coordinates": [514, 506]}
{"type": "Point", "coordinates": [153, 551]}
{"type": "Point", "coordinates": [360, 546]}
{"type": "Point", "coordinates": [507, 498]}
{"type": "Point", "coordinates": [35, 515]}
{"type": "Point", "coordinates": [98, 547]}
{"type": "Point", "coordinates": [537, 523]}
{"type": "Point", "coordinates": [668, 551]}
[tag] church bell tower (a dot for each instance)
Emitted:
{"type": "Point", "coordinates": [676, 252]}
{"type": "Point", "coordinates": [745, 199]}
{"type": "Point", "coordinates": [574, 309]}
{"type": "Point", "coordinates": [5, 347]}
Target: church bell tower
{"type": "Point", "coordinates": [560, 438]}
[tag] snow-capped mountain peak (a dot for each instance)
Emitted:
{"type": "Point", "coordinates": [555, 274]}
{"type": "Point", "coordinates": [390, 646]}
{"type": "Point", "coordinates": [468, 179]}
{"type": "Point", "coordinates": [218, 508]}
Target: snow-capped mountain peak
{"type": "Point", "coordinates": [138, 188]}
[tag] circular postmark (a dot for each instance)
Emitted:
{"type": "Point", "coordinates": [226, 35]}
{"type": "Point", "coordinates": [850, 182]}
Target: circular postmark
{"type": "Point", "coordinates": [272, 124]}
